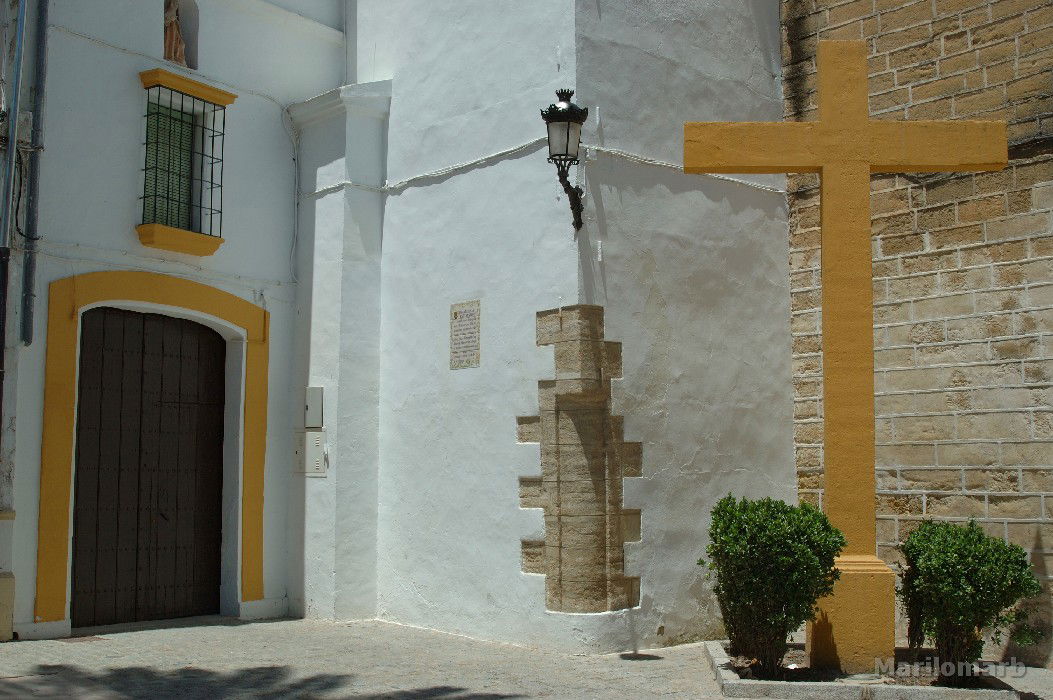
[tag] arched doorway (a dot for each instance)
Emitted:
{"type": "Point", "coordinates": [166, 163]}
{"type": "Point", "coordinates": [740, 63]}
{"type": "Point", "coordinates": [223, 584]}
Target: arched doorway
{"type": "Point", "coordinates": [148, 469]}
{"type": "Point", "coordinates": [244, 325]}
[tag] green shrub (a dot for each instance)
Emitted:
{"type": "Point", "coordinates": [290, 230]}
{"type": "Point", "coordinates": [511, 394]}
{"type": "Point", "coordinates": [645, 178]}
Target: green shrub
{"type": "Point", "coordinates": [959, 582]}
{"type": "Point", "coordinates": [772, 561]}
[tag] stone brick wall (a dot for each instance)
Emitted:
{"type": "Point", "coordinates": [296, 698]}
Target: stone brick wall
{"type": "Point", "coordinates": [584, 458]}
{"type": "Point", "coordinates": [963, 270]}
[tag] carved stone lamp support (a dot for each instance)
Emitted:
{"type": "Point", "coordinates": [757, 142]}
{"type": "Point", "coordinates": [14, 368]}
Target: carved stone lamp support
{"type": "Point", "coordinates": [573, 192]}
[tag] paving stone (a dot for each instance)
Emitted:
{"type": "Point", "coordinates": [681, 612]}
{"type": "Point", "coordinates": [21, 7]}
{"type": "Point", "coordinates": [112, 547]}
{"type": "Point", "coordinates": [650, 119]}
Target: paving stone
{"type": "Point", "coordinates": [215, 658]}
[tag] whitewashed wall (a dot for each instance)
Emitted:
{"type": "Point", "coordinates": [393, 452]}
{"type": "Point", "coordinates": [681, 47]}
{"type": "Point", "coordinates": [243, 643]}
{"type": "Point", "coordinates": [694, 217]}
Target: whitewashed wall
{"type": "Point", "coordinates": [693, 273]}
{"type": "Point", "coordinates": [321, 163]}
{"type": "Point", "coordinates": [694, 283]}
{"type": "Point", "coordinates": [693, 278]}
{"type": "Point", "coordinates": [341, 164]}
{"type": "Point", "coordinates": [468, 83]}
{"type": "Point", "coordinates": [91, 181]}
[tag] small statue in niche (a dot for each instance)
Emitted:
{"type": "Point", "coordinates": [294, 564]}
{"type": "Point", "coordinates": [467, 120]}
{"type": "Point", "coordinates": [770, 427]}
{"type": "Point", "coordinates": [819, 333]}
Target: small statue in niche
{"type": "Point", "coordinates": [175, 47]}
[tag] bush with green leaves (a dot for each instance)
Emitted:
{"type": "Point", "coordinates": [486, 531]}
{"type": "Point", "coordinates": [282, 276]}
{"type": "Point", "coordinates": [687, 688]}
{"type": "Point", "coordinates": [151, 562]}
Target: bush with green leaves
{"type": "Point", "coordinates": [958, 583]}
{"type": "Point", "coordinates": [772, 562]}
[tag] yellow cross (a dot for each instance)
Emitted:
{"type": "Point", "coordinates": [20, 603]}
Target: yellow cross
{"type": "Point", "coordinates": [845, 146]}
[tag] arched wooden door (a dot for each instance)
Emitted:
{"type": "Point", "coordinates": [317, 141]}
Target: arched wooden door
{"type": "Point", "coordinates": [148, 470]}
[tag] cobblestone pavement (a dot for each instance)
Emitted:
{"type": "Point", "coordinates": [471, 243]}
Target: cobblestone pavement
{"type": "Point", "coordinates": [217, 658]}
{"type": "Point", "coordinates": [1036, 684]}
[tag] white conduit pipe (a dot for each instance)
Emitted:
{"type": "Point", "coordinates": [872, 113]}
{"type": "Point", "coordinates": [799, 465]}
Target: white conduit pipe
{"type": "Point", "coordinates": [399, 185]}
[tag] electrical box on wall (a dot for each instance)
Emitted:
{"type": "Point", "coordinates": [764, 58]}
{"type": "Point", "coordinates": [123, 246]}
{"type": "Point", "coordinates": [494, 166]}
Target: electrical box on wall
{"type": "Point", "coordinates": [312, 411]}
{"type": "Point", "coordinates": [313, 453]}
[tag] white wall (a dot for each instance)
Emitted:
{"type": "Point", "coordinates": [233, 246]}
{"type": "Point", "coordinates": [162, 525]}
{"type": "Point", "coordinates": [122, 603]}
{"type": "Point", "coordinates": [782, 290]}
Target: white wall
{"type": "Point", "coordinates": [693, 273]}
{"type": "Point", "coordinates": [322, 145]}
{"type": "Point", "coordinates": [377, 48]}
{"type": "Point", "coordinates": [136, 29]}
{"type": "Point", "coordinates": [327, 12]}
{"type": "Point", "coordinates": [358, 410]}
{"type": "Point", "coordinates": [268, 48]}
{"type": "Point", "coordinates": [318, 313]}
{"type": "Point", "coordinates": [91, 182]}
{"type": "Point", "coordinates": [287, 49]}
{"type": "Point", "coordinates": [449, 521]}
{"type": "Point", "coordinates": [342, 136]}
{"type": "Point", "coordinates": [694, 279]}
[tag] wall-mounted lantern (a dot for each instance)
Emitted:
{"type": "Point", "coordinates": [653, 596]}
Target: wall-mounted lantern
{"type": "Point", "coordinates": [564, 120]}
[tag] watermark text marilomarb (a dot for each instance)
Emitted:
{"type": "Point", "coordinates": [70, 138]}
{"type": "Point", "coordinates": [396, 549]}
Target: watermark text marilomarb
{"type": "Point", "coordinates": [930, 667]}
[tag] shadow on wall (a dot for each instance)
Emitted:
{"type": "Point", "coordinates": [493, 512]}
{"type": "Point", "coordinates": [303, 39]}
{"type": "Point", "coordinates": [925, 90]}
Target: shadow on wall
{"type": "Point", "coordinates": [188, 26]}
{"type": "Point", "coordinates": [736, 190]}
{"type": "Point", "coordinates": [1040, 611]}
{"type": "Point", "coordinates": [795, 71]}
{"type": "Point", "coordinates": [610, 177]}
{"type": "Point", "coordinates": [189, 682]}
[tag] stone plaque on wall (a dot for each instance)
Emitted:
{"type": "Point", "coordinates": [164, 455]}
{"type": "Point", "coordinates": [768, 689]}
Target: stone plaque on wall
{"type": "Point", "coordinates": [464, 335]}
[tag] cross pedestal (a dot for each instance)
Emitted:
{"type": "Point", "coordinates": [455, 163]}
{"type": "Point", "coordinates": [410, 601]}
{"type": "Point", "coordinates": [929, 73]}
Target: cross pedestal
{"type": "Point", "coordinates": [856, 625]}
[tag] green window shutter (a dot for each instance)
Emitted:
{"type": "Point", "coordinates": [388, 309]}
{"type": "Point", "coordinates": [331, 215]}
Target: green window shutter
{"type": "Point", "coordinates": [169, 166]}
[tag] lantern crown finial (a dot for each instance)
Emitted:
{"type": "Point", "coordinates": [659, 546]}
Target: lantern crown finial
{"type": "Point", "coordinates": [565, 110]}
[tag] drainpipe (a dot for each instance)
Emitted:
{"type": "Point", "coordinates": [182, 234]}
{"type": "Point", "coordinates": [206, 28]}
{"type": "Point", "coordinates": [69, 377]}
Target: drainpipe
{"type": "Point", "coordinates": [29, 259]}
{"type": "Point", "coordinates": [7, 580]}
{"type": "Point", "coordinates": [6, 212]}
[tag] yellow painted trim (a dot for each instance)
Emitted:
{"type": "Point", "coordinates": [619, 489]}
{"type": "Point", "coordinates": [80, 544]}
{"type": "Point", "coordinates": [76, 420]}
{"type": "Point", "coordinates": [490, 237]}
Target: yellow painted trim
{"type": "Point", "coordinates": [177, 240]}
{"type": "Point", "coordinates": [853, 628]}
{"type": "Point", "coordinates": [168, 79]}
{"type": "Point", "coordinates": [7, 605]}
{"type": "Point", "coordinates": [7, 515]}
{"type": "Point", "coordinates": [67, 297]}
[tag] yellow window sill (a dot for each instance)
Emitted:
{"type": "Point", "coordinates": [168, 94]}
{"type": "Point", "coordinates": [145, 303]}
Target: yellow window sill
{"type": "Point", "coordinates": [177, 240]}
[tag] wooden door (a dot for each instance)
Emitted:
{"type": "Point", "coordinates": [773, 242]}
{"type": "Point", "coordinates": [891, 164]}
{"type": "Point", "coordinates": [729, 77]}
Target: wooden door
{"type": "Point", "coordinates": [149, 469]}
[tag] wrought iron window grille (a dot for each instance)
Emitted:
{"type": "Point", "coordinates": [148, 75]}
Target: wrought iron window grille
{"type": "Point", "coordinates": [183, 168]}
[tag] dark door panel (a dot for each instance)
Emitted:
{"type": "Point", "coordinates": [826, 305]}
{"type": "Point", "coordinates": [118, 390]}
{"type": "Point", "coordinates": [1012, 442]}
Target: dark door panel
{"type": "Point", "coordinates": [149, 469]}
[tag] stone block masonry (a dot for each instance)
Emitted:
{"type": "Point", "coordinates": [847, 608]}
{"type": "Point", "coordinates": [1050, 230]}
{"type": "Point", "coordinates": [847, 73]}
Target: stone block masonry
{"type": "Point", "coordinates": [963, 272]}
{"type": "Point", "coordinates": [583, 460]}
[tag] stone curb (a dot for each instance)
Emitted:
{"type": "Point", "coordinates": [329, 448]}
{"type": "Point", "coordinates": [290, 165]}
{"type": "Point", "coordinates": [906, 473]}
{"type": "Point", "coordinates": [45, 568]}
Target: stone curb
{"type": "Point", "coordinates": [732, 686]}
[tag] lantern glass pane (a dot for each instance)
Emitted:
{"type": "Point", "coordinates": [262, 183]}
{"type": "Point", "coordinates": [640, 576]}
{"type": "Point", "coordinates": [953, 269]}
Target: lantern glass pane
{"type": "Point", "coordinates": [573, 140]}
{"type": "Point", "coordinates": [558, 133]}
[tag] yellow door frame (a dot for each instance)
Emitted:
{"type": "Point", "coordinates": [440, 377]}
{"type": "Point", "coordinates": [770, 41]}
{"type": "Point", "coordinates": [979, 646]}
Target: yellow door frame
{"type": "Point", "coordinates": [67, 298]}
